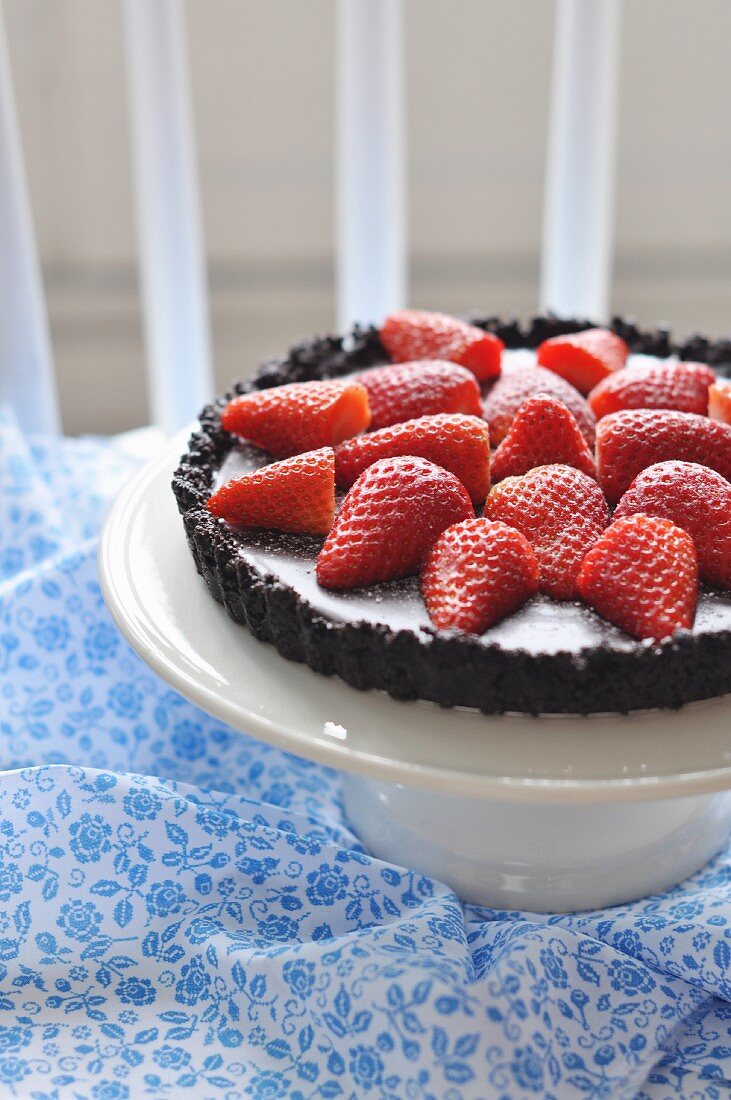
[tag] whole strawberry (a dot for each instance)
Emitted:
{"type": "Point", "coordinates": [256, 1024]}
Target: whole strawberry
{"type": "Point", "coordinates": [458, 443]}
{"type": "Point", "coordinates": [562, 512]}
{"type": "Point", "coordinates": [694, 498]}
{"type": "Point", "coordinates": [642, 575]}
{"type": "Point", "coordinates": [404, 391]}
{"type": "Point", "coordinates": [296, 495]}
{"type": "Point", "coordinates": [301, 416]}
{"type": "Point", "coordinates": [476, 573]}
{"type": "Point", "coordinates": [389, 521]}
{"type": "Point", "coordinates": [681, 386]}
{"type": "Point", "coordinates": [543, 432]}
{"type": "Point", "coordinates": [630, 441]}
{"type": "Point", "coordinates": [417, 334]}
{"type": "Point", "coordinates": [516, 386]}
{"type": "Point", "coordinates": [584, 358]}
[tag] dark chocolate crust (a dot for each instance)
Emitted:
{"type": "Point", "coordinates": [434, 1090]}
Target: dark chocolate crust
{"type": "Point", "coordinates": [445, 668]}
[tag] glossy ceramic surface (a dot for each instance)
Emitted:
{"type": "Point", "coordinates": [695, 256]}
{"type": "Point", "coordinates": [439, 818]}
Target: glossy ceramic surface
{"type": "Point", "coordinates": [165, 611]}
{"type": "Point", "coordinates": [541, 858]}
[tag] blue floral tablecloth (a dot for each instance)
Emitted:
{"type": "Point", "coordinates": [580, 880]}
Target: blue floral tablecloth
{"type": "Point", "coordinates": [185, 912]}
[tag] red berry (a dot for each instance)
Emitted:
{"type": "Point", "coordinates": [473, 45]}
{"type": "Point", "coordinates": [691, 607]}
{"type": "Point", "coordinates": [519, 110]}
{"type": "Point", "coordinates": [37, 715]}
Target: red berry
{"type": "Point", "coordinates": [404, 391]}
{"type": "Point", "coordinates": [632, 440]}
{"type": "Point", "coordinates": [295, 495]}
{"type": "Point", "coordinates": [561, 512]}
{"type": "Point", "coordinates": [415, 334]}
{"type": "Point", "coordinates": [584, 358]}
{"type": "Point", "coordinates": [300, 416]}
{"type": "Point", "coordinates": [543, 432]}
{"type": "Point", "coordinates": [694, 498]}
{"type": "Point", "coordinates": [719, 401]}
{"type": "Point", "coordinates": [389, 521]}
{"type": "Point", "coordinates": [476, 573]}
{"type": "Point", "coordinates": [642, 575]}
{"type": "Point", "coordinates": [459, 443]}
{"type": "Point", "coordinates": [682, 386]}
{"type": "Point", "coordinates": [516, 386]}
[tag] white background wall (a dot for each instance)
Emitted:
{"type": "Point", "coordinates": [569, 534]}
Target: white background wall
{"type": "Point", "coordinates": [478, 79]}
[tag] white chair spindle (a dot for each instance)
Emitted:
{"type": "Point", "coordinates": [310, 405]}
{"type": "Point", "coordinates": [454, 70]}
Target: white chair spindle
{"type": "Point", "coordinates": [171, 255]}
{"type": "Point", "coordinates": [577, 244]}
{"type": "Point", "coordinates": [27, 381]}
{"type": "Point", "coordinates": [370, 161]}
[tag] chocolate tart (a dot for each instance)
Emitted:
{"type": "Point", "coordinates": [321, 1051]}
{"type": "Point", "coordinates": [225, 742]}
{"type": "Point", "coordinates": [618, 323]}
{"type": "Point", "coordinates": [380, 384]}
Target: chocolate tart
{"type": "Point", "coordinates": [549, 658]}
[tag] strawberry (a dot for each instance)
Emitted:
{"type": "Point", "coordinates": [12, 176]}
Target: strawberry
{"type": "Point", "coordinates": [682, 386]}
{"type": "Point", "coordinates": [477, 572]}
{"type": "Point", "coordinates": [459, 443]}
{"type": "Point", "coordinates": [561, 512]}
{"type": "Point", "coordinates": [295, 495]}
{"type": "Point", "coordinates": [584, 358]}
{"type": "Point", "coordinates": [515, 386]}
{"type": "Point", "coordinates": [632, 440]}
{"type": "Point", "coordinates": [389, 521]}
{"type": "Point", "coordinates": [642, 575]}
{"type": "Point", "coordinates": [300, 416]}
{"type": "Point", "coordinates": [415, 334]}
{"type": "Point", "coordinates": [543, 432]}
{"type": "Point", "coordinates": [694, 498]}
{"type": "Point", "coordinates": [719, 401]}
{"type": "Point", "coordinates": [406, 390]}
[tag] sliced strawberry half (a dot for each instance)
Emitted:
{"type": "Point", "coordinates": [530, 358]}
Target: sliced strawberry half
{"type": "Point", "coordinates": [543, 432]}
{"type": "Point", "coordinates": [411, 334]}
{"type": "Point", "coordinates": [516, 386]}
{"type": "Point", "coordinates": [459, 443]}
{"type": "Point", "coordinates": [681, 386]}
{"type": "Point", "coordinates": [476, 573]}
{"type": "Point", "coordinates": [719, 401]}
{"type": "Point", "coordinates": [630, 441]}
{"type": "Point", "coordinates": [389, 521]}
{"type": "Point", "coordinates": [584, 358]}
{"type": "Point", "coordinates": [296, 495]}
{"type": "Point", "coordinates": [694, 498]}
{"type": "Point", "coordinates": [561, 512]}
{"type": "Point", "coordinates": [404, 391]}
{"type": "Point", "coordinates": [642, 575]}
{"type": "Point", "coordinates": [301, 416]}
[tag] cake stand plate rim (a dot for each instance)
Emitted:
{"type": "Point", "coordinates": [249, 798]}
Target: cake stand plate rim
{"type": "Point", "coordinates": [150, 585]}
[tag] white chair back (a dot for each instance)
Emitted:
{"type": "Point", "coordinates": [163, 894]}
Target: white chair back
{"type": "Point", "coordinates": [371, 205]}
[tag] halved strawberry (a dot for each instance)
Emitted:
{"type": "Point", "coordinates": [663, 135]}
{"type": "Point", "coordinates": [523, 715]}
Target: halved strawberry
{"type": "Point", "coordinates": [417, 334]}
{"type": "Point", "coordinates": [404, 391]}
{"type": "Point", "coordinates": [694, 498]}
{"type": "Point", "coordinates": [296, 495]}
{"type": "Point", "coordinates": [648, 385]}
{"type": "Point", "coordinates": [300, 416]}
{"type": "Point", "coordinates": [632, 440]}
{"type": "Point", "coordinates": [584, 358]}
{"type": "Point", "coordinates": [389, 521]}
{"type": "Point", "coordinates": [719, 401]}
{"type": "Point", "coordinates": [543, 432]}
{"type": "Point", "coordinates": [459, 443]}
{"type": "Point", "coordinates": [477, 572]}
{"type": "Point", "coordinates": [642, 575]}
{"type": "Point", "coordinates": [516, 386]}
{"type": "Point", "coordinates": [561, 512]}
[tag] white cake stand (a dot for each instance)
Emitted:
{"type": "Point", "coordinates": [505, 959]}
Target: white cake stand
{"type": "Point", "coordinates": [548, 814]}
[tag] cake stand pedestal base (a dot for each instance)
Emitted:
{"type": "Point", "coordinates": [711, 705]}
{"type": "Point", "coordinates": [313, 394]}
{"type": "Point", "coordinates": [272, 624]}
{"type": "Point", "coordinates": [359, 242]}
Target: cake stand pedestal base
{"type": "Point", "coordinates": [541, 858]}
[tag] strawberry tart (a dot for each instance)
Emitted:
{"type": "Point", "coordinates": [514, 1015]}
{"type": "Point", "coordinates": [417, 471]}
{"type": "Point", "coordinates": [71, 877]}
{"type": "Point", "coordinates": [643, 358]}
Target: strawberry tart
{"type": "Point", "coordinates": [531, 519]}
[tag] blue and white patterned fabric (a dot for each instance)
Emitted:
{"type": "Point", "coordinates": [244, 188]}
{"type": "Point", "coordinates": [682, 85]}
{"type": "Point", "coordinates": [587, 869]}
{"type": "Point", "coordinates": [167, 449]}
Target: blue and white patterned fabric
{"type": "Point", "coordinates": [184, 911]}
